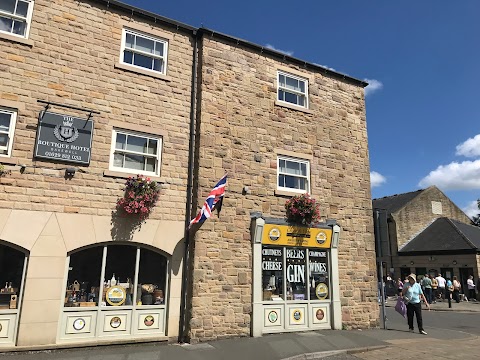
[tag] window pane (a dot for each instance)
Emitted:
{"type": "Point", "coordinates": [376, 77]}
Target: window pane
{"type": "Point", "coordinates": [143, 61]}
{"type": "Point", "coordinates": [121, 140]}
{"type": "Point", "coordinates": [281, 95]}
{"type": "Point", "coordinates": [4, 121]}
{"type": "Point", "coordinates": [291, 98]}
{"type": "Point", "coordinates": [19, 27]}
{"type": "Point", "coordinates": [272, 273]}
{"type": "Point", "coordinates": [159, 48]}
{"type": "Point", "coordinates": [301, 86]}
{"type": "Point", "coordinates": [145, 45]}
{"type": "Point", "coordinates": [151, 165]}
{"type": "Point", "coordinates": [137, 144]}
{"type": "Point", "coordinates": [118, 160]}
{"type": "Point", "coordinates": [152, 146]}
{"type": "Point", "coordinates": [22, 8]}
{"type": "Point", "coordinates": [6, 24]}
{"type": "Point", "coordinates": [84, 273]}
{"type": "Point", "coordinates": [319, 279]}
{"type": "Point", "coordinates": [3, 139]}
{"type": "Point", "coordinates": [281, 80]}
{"type": "Point", "coordinates": [292, 168]}
{"type": "Point", "coordinates": [301, 184]}
{"type": "Point", "coordinates": [158, 65]}
{"type": "Point", "coordinates": [290, 182]}
{"type": "Point", "coordinates": [7, 6]}
{"type": "Point", "coordinates": [301, 100]}
{"type": "Point", "coordinates": [296, 271]}
{"type": "Point", "coordinates": [128, 57]}
{"type": "Point", "coordinates": [292, 84]}
{"type": "Point", "coordinates": [303, 169]}
{"type": "Point", "coordinates": [281, 180]}
{"type": "Point", "coordinates": [129, 40]}
{"type": "Point", "coordinates": [11, 271]}
{"type": "Point", "coordinates": [282, 166]}
{"type": "Point", "coordinates": [152, 278]}
{"type": "Point", "coordinates": [119, 274]}
{"type": "Point", "coordinates": [134, 162]}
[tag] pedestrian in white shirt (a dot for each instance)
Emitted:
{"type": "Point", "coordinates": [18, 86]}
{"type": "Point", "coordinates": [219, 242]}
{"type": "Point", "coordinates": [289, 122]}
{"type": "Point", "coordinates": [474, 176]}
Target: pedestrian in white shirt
{"type": "Point", "coordinates": [471, 289]}
{"type": "Point", "coordinates": [441, 285]}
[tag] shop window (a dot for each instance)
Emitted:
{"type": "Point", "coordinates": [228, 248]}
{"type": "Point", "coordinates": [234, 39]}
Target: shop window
{"type": "Point", "coordinates": [135, 152]}
{"type": "Point", "coordinates": [299, 273]}
{"type": "Point", "coordinates": [144, 51]}
{"type": "Point", "coordinates": [319, 279]}
{"type": "Point", "coordinates": [122, 284]}
{"type": "Point", "coordinates": [293, 174]}
{"type": "Point", "coordinates": [272, 273]}
{"type": "Point", "coordinates": [15, 17]}
{"type": "Point", "coordinates": [7, 129]}
{"type": "Point", "coordinates": [11, 273]}
{"type": "Point", "coordinates": [292, 89]}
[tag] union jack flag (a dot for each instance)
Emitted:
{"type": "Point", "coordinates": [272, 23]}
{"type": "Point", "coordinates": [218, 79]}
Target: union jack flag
{"type": "Point", "coordinates": [212, 202]}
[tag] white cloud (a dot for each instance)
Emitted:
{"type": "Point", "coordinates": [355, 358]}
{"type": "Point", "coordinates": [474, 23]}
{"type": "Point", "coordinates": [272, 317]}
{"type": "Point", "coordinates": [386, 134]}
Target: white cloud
{"type": "Point", "coordinates": [286, 52]}
{"type": "Point", "coordinates": [469, 148]}
{"type": "Point", "coordinates": [454, 176]}
{"type": "Point", "coordinates": [376, 179]}
{"type": "Point", "coordinates": [471, 209]}
{"type": "Point", "coordinates": [373, 86]}
{"type": "Point", "coordinates": [326, 67]}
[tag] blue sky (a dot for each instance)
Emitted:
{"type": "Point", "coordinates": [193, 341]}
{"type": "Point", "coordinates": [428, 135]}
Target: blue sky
{"type": "Point", "coordinates": [422, 59]}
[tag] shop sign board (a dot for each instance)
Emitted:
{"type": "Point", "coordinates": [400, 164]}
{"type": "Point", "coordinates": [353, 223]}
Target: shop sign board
{"type": "Point", "coordinates": [64, 138]}
{"type": "Point", "coordinates": [298, 236]}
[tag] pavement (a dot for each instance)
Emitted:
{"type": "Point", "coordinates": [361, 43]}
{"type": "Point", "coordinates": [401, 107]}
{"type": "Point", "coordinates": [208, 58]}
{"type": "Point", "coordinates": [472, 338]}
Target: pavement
{"type": "Point", "coordinates": [442, 305]}
{"type": "Point", "coordinates": [372, 344]}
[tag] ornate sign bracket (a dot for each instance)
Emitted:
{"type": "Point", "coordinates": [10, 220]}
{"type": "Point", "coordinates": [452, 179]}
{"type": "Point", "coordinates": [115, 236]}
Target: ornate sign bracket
{"type": "Point", "coordinates": [49, 103]}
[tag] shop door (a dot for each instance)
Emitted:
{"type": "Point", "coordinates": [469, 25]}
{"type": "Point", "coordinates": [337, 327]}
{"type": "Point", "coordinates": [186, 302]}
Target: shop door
{"type": "Point", "coordinates": [464, 274]}
{"type": "Point", "coordinates": [447, 273]}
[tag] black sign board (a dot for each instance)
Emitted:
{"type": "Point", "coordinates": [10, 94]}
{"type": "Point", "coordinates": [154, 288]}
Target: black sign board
{"type": "Point", "coordinates": [64, 138]}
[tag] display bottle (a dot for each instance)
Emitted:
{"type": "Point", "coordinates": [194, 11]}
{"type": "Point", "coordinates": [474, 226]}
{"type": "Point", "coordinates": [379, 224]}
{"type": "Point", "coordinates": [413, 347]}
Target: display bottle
{"type": "Point", "coordinates": [113, 281]}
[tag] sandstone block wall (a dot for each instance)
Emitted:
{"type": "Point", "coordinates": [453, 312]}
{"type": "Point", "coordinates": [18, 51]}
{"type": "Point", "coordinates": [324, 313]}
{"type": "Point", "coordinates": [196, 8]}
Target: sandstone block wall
{"type": "Point", "coordinates": [240, 128]}
{"type": "Point", "coordinates": [72, 61]}
{"type": "Point", "coordinates": [417, 215]}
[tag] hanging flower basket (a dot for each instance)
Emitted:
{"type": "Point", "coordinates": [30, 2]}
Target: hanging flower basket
{"type": "Point", "coordinates": [141, 195]}
{"type": "Point", "coordinates": [302, 210]}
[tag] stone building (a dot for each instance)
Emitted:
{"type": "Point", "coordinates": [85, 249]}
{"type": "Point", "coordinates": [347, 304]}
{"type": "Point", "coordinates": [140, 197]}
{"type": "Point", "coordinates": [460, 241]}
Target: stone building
{"type": "Point", "coordinates": [426, 233]}
{"type": "Point", "coordinates": [95, 92]}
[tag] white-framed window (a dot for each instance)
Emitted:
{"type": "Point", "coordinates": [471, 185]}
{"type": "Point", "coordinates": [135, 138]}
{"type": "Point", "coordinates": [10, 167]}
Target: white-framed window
{"type": "Point", "coordinates": [15, 17]}
{"type": "Point", "coordinates": [144, 51]}
{"type": "Point", "coordinates": [292, 89]}
{"type": "Point", "coordinates": [135, 152]}
{"type": "Point", "coordinates": [7, 129]}
{"type": "Point", "coordinates": [293, 174]}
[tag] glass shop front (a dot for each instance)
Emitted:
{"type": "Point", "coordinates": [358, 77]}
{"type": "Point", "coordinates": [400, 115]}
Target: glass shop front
{"type": "Point", "coordinates": [294, 286]}
{"type": "Point", "coordinates": [115, 291]}
{"type": "Point", "coordinates": [12, 272]}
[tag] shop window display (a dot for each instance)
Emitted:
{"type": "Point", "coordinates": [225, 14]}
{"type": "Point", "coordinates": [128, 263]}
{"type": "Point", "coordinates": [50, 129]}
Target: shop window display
{"type": "Point", "coordinates": [119, 287]}
{"type": "Point", "coordinates": [299, 273]}
{"type": "Point", "coordinates": [11, 271]}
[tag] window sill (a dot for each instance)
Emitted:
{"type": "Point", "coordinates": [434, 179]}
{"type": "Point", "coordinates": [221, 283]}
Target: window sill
{"type": "Point", "coordinates": [288, 193]}
{"type": "Point", "coordinates": [16, 39]}
{"type": "Point", "coordinates": [8, 160]}
{"type": "Point", "coordinates": [142, 71]}
{"type": "Point", "coordinates": [122, 175]}
{"type": "Point", "coordinates": [293, 107]}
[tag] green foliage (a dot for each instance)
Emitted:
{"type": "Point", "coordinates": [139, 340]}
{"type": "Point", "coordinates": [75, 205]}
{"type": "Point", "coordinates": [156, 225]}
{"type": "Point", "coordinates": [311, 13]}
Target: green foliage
{"type": "Point", "coordinates": [302, 210]}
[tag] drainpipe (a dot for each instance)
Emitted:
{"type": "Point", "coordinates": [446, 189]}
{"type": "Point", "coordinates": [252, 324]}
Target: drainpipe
{"type": "Point", "coordinates": [191, 163]}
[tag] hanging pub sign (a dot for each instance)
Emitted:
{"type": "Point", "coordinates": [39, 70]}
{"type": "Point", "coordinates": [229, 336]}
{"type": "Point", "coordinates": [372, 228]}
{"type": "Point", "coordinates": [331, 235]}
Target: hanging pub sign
{"type": "Point", "coordinates": [63, 137]}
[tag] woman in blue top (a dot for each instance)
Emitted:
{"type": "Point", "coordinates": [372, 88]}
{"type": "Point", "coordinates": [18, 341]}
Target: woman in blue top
{"type": "Point", "coordinates": [413, 295]}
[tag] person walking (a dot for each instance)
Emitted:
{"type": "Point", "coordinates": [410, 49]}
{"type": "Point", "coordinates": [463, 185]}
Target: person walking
{"type": "Point", "coordinates": [471, 289]}
{"type": "Point", "coordinates": [441, 286]}
{"type": "Point", "coordinates": [427, 288]}
{"type": "Point", "coordinates": [449, 292]}
{"type": "Point", "coordinates": [456, 289]}
{"type": "Point", "coordinates": [399, 286]}
{"type": "Point", "coordinates": [413, 295]}
{"type": "Point", "coordinates": [434, 289]}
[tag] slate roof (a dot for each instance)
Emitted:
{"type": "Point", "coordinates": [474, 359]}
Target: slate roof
{"type": "Point", "coordinates": [445, 235]}
{"type": "Point", "coordinates": [395, 202]}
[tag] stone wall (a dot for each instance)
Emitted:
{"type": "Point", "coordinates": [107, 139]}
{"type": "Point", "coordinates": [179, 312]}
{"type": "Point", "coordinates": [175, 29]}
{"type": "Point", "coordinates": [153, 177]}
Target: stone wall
{"type": "Point", "coordinates": [241, 128]}
{"type": "Point", "coordinates": [417, 214]}
{"type": "Point", "coordinates": [76, 47]}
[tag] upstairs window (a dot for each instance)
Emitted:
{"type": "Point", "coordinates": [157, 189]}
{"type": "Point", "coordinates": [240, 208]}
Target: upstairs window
{"type": "Point", "coordinates": [7, 129]}
{"type": "Point", "coordinates": [135, 153]}
{"type": "Point", "coordinates": [293, 174]}
{"type": "Point", "coordinates": [15, 17]}
{"type": "Point", "coordinates": [292, 89]}
{"type": "Point", "coordinates": [144, 51]}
